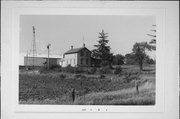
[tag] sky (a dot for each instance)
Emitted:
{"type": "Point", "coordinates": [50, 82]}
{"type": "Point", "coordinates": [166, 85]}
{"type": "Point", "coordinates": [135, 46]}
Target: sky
{"type": "Point", "coordinates": [62, 31]}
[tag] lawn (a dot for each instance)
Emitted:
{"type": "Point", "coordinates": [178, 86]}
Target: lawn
{"type": "Point", "coordinates": [90, 89]}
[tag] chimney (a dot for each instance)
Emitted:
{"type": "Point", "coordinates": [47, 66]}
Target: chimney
{"type": "Point", "coordinates": [71, 47]}
{"type": "Point", "coordinates": [83, 45]}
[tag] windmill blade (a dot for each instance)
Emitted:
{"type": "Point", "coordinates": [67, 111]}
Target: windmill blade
{"type": "Point", "coordinates": [153, 30]}
{"type": "Point", "coordinates": [151, 35]}
{"type": "Point", "coordinates": [153, 41]}
{"type": "Point", "coordinates": [48, 45]}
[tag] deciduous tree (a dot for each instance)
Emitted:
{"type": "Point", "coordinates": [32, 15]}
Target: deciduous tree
{"type": "Point", "coordinates": [118, 59]}
{"type": "Point", "coordinates": [139, 51]}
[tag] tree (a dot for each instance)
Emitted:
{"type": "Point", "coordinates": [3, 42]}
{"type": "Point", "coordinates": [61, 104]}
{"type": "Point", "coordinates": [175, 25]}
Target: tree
{"type": "Point", "coordinates": [102, 51]}
{"type": "Point", "coordinates": [149, 60]}
{"type": "Point", "coordinates": [139, 51]}
{"type": "Point", "coordinates": [130, 59]}
{"type": "Point", "coordinates": [118, 59]}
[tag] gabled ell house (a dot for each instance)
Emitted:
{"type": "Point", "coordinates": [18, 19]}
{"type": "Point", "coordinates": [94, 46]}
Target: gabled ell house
{"type": "Point", "coordinates": [77, 57]}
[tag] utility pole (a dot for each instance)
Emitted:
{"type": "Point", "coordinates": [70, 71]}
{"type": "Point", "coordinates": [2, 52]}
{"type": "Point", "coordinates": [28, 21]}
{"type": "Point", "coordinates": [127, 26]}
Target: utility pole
{"type": "Point", "coordinates": [48, 46]}
{"type": "Point", "coordinates": [27, 61]}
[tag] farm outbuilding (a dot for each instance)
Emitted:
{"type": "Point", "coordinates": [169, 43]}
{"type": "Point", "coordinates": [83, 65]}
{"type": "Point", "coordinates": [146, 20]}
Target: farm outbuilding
{"type": "Point", "coordinates": [41, 60]}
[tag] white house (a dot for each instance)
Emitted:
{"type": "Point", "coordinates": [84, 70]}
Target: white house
{"type": "Point", "coordinates": [77, 57]}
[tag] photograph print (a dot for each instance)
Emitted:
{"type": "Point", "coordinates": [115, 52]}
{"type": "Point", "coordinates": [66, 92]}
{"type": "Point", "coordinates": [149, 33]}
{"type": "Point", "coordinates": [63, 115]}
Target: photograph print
{"type": "Point", "coordinates": [87, 60]}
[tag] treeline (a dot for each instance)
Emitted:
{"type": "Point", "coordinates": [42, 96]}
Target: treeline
{"type": "Point", "coordinates": [130, 59]}
{"type": "Point", "coordinates": [102, 53]}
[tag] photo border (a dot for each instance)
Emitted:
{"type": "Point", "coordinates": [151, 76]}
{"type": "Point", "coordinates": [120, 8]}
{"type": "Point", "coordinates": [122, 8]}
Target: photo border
{"type": "Point", "coordinates": [159, 14]}
{"type": "Point", "coordinates": [104, 8]}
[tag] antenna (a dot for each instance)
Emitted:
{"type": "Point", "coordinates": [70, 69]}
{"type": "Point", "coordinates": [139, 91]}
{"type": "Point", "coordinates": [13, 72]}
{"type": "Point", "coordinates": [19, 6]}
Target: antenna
{"type": "Point", "coordinates": [83, 42]}
{"type": "Point", "coordinates": [33, 50]}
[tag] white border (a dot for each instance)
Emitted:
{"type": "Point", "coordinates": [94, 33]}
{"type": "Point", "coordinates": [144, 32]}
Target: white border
{"type": "Point", "coordinates": [160, 15]}
{"type": "Point", "coordinates": [14, 9]}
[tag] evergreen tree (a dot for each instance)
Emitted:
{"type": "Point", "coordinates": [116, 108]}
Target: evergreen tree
{"type": "Point", "coordinates": [102, 51]}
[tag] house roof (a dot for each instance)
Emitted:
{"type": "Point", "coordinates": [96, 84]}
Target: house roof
{"type": "Point", "coordinates": [75, 50]}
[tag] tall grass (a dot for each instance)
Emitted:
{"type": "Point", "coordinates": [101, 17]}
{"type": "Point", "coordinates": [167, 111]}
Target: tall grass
{"type": "Point", "coordinates": [56, 88]}
{"type": "Point", "coordinates": [146, 96]}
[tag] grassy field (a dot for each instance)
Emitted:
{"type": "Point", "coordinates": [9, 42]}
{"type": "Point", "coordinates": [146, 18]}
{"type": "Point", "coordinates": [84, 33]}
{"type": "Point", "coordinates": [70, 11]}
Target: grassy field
{"type": "Point", "coordinates": [90, 89]}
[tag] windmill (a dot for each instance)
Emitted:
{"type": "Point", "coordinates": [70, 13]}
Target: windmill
{"type": "Point", "coordinates": [33, 50]}
{"type": "Point", "coordinates": [153, 40]}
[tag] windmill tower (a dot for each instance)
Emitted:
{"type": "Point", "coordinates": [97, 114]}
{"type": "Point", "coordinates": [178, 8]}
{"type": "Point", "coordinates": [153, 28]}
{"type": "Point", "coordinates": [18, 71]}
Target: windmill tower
{"type": "Point", "coordinates": [33, 50]}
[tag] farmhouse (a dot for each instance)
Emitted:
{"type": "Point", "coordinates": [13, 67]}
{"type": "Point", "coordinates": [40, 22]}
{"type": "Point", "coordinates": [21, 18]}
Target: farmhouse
{"type": "Point", "coordinates": [77, 57]}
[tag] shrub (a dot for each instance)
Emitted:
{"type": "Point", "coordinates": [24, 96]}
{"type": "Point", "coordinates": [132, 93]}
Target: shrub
{"type": "Point", "coordinates": [78, 70]}
{"type": "Point", "coordinates": [62, 76]}
{"type": "Point", "coordinates": [131, 76]}
{"type": "Point", "coordinates": [101, 76]}
{"type": "Point", "coordinates": [118, 70]}
{"type": "Point", "coordinates": [43, 70]}
{"type": "Point", "coordinates": [105, 70]}
{"type": "Point", "coordinates": [68, 69]}
{"type": "Point", "coordinates": [92, 70]}
{"type": "Point", "coordinates": [80, 76]}
{"type": "Point", "coordinates": [56, 68]}
{"type": "Point", "coordinates": [105, 63]}
{"type": "Point", "coordinates": [150, 61]}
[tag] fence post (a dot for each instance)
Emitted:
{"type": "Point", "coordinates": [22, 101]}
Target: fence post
{"type": "Point", "coordinates": [137, 82]}
{"type": "Point", "coordinates": [73, 94]}
{"type": "Point", "coordinates": [137, 86]}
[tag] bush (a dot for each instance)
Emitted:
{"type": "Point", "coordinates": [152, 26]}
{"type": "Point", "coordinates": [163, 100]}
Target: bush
{"type": "Point", "coordinates": [105, 70]}
{"type": "Point", "coordinates": [43, 70]}
{"type": "Point", "coordinates": [68, 69]}
{"type": "Point", "coordinates": [92, 70]}
{"type": "Point", "coordinates": [131, 76]}
{"type": "Point", "coordinates": [78, 70]}
{"type": "Point", "coordinates": [101, 76]}
{"type": "Point", "coordinates": [150, 61]}
{"type": "Point", "coordinates": [80, 76]}
{"type": "Point", "coordinates": [62, 76]}
{"type": "Point", "coordinates": [56, 68]}
{"type": "Point", "coordinates": [105, 63]}
{"type": "Point", "coordinates": [118, 70]}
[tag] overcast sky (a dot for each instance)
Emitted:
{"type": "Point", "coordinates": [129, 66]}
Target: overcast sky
{"type": "Point", "coordinates": [62, 31]}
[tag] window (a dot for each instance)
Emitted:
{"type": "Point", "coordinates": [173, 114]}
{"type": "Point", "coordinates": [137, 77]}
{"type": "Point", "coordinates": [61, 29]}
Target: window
{"type": "Point", "coordinates": [82, 54]}
{"type": "Point", "coordinates": [67, 61]}
{"type": "Point", "coordinates": [87, 61]}
{"type": "Point", "coordinates": [70, 61]}
{"type": "Point", "coordinates": [87, 54]}
{"type": "Point", "coordinates": [81, 60]}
